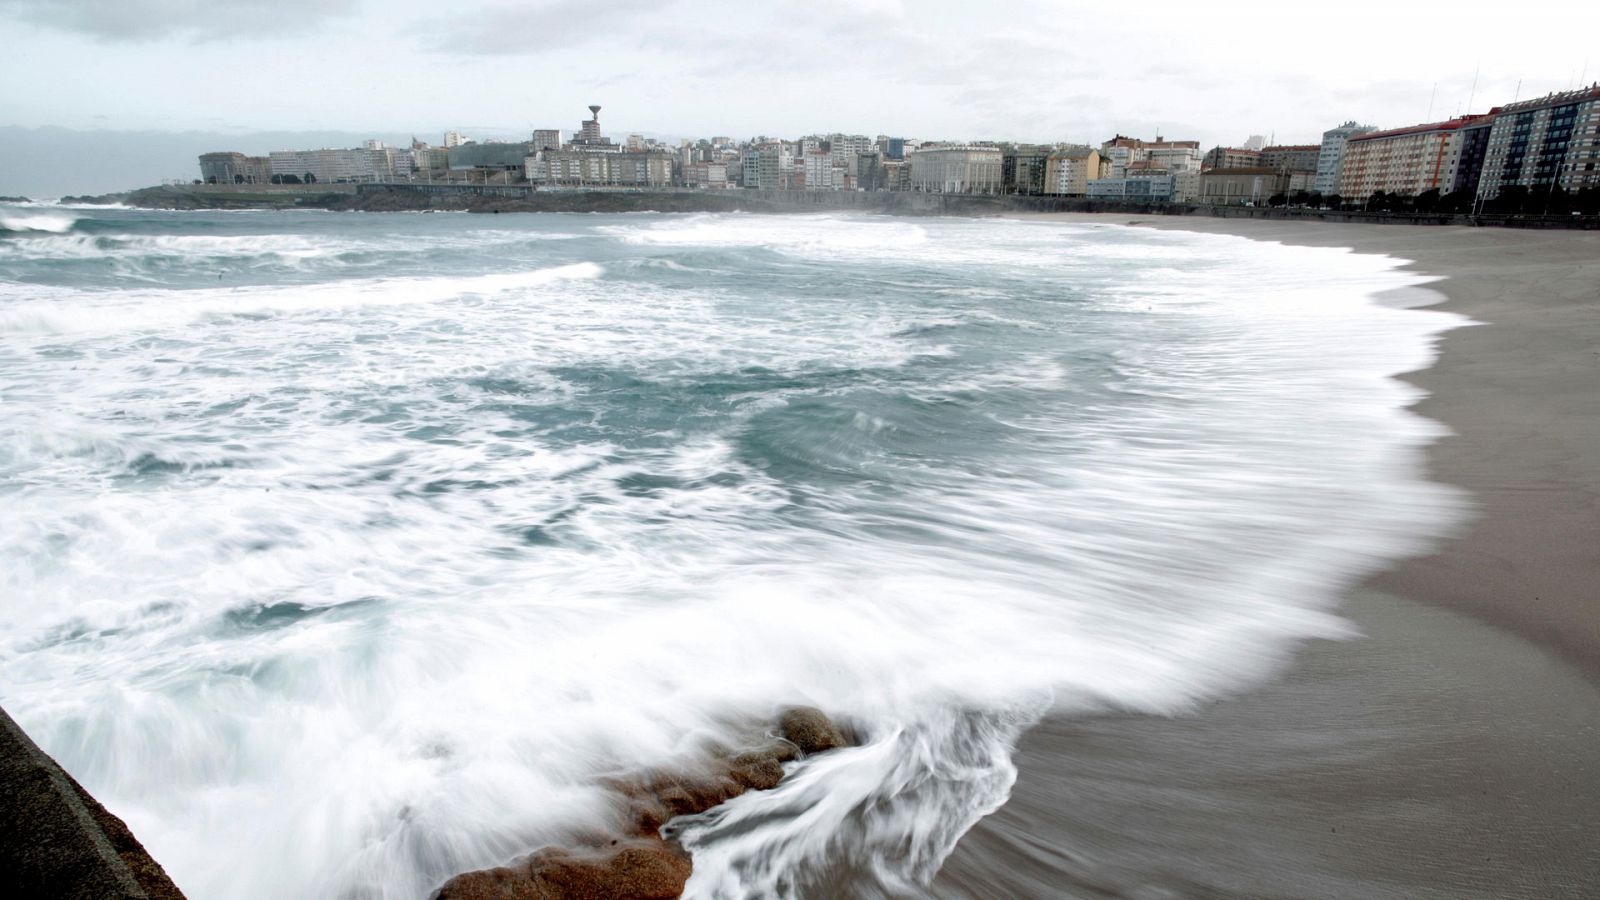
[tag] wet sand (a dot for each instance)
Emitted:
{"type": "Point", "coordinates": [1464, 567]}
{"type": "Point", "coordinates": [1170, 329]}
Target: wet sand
{"type": "Point", "coordinates": [1454, 749]}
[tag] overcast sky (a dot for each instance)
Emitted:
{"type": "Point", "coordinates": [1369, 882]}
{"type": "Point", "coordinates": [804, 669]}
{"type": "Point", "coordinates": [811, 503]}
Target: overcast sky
{"type": "Point", "coordinates": [1034, 70]}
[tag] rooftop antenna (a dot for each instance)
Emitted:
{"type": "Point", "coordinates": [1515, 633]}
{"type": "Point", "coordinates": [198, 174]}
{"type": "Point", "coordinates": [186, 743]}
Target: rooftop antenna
{"type": "Point", "coordinates": [1518, 95]}
{"type": "Point", "coordinates": [1474, 95]}
{"type": "Point", "coordinates": [1431, 97]}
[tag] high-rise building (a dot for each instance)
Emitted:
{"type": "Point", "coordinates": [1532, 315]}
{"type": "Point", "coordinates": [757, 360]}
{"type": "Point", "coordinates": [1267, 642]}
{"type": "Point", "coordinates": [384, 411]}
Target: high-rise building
{"type": "Point", "coordinates": [1331, 155]}
{"type": "Point", "coordinates": [1474, 150]}
{"type": "Point", "coordinates": [766, 165]}
{"type": "Point", "coordinates": [454, 139]}
{"type": "Point", "coordinates": [547, 139]}
{"type": "Point", "coordinates": [1550, 142]}
{"type": "Point", "coordinates": [1404, 161]}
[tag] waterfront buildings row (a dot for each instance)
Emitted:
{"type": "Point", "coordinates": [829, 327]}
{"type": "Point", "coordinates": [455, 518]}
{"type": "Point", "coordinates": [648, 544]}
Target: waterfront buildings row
{"type": "Point", "coordinates": [1550, 142]}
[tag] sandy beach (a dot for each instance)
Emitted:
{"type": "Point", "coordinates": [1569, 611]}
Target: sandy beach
{"type": "Point", "coordinates": [1448, 752]}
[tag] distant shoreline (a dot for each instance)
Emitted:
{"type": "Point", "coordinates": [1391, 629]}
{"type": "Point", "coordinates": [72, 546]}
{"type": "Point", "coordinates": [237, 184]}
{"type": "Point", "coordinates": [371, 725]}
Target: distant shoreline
{"type": "Point", "coordinates": [523, 198]}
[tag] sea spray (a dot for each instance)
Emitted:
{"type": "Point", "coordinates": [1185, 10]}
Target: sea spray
{"type": "Point", "coordinates": [341, 574]}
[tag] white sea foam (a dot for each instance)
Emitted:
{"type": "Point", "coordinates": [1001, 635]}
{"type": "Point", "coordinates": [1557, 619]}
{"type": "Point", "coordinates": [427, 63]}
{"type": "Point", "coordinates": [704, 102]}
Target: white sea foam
{"type": "Point", "coordinates": [148, 310]}
{"type": "Point", "coordinates": [52, 223]}
{"type": "Point", "coordinates": [338, 589]}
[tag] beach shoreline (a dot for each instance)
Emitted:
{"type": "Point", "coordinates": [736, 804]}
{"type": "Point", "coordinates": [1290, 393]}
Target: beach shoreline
{"type": "Point", "coordinates": [1448, 751]}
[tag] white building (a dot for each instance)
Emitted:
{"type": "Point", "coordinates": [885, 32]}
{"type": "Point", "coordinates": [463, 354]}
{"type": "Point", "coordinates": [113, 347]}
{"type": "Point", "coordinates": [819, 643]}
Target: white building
{"type": "Point", "coordinates": [600, 167]}
{"type": "Point", "coordinates": [1330, 158]}
{"type": "Point", "coordinates": [819, 171]}
{"type": "Point", "coordinates": [706, 175]}
{"type": "Point", "coordinates": [844, 148]}
{"type": "Point", "coordinates": [1185, 186]}
{"type": "Point", "coordinates": [956, 170]}
{"type": "Point", "coordinates": [1175, 157]}
{"type": "Point", "coordinates": [330, 166]}
{"type": "Point", "coordinates": [454, 139]}
{"type": "Point", "coordinates": [1123, 152]}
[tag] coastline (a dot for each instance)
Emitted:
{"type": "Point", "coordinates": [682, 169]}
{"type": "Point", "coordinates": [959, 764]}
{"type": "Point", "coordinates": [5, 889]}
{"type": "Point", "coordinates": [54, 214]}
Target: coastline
{"type": "Point", "coordinates": [1446, 753]}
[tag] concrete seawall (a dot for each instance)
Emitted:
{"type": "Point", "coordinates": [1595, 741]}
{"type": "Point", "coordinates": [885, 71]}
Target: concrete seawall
{"type": "Point", "coordinates": [56, 841]}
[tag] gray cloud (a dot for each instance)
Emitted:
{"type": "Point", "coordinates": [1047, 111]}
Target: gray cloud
{"type": "Point", "coordinates": [198, 20]}
{"type": "Point", "coordinates": [521, 28]}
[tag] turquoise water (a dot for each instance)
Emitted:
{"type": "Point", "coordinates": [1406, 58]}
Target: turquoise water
{"type": "Point", "coordinates": [344, 552]}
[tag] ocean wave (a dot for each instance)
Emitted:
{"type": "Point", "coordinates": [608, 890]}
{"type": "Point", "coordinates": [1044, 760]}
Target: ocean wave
{"type": "Point", "coordinates": [148, 309]}
{"type": "Point", "coordinates": [415, 565]}
{"type": "Point", "coordinates": [49, 223]}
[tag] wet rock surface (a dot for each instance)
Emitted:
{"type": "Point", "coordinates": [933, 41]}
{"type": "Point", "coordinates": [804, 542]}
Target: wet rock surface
{"type": "Point", "coordinates": [640, 863]}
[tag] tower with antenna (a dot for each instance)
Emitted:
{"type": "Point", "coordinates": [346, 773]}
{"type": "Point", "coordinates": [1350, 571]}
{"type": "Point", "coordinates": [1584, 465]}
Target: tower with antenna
{"type": "Point", "coordinates": [590, 131]}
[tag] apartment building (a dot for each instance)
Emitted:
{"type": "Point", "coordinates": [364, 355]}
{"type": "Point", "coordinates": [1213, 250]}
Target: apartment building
{"type": "Point", "coordinates": [328, 166]}
{"type": "Point", "coordinates": [1069, 171]}
{"type": "Point", "coordinates": [1553, 141]}
{"type": "Point", "coordinates": [1403, 161]}
{"type": "Point", "coordinates": [818, 166]}
{"type": "Point", "coordinates": [600, 167]}
{"type": "Point", "coordinates": [1023, 169]}
{"type": "Point", "coordinates": [1291, 157]}
{"type": "Point", "coordinates": [1330, 156]}
{"type": "Point", "coordinates": [1231, 158]}
{"type": "Point", "coordinates": [1122, 150]}
{"type": "Point", "coordinates": [766, 166]}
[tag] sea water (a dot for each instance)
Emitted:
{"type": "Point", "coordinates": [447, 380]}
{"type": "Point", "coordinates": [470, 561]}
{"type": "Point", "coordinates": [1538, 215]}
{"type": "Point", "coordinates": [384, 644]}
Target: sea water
{"type": "Point", "coordinates": [341, 553]}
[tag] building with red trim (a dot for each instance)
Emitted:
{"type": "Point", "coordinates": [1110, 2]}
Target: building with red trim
{"type": "Point", "coordinates": [1405, 161]}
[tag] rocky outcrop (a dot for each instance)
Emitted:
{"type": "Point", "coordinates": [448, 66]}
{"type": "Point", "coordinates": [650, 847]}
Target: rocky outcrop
{"type": "Point", "coordinates": [96, 199]}
{"type": "Point", "coordinates": [56, 841]}
{"type": "Point", "coordinates": [638, 863]}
